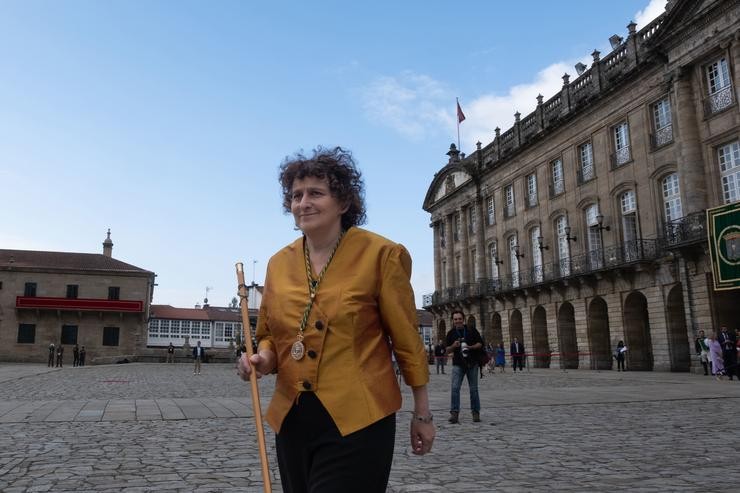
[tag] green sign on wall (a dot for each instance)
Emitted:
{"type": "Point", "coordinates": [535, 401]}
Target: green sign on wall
{"type": "Point", "coordinates": [724, 245]}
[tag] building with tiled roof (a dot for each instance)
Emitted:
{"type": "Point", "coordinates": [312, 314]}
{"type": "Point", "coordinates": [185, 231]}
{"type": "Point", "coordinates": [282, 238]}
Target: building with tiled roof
{"type": "Point", "coordinates": [68, 299]}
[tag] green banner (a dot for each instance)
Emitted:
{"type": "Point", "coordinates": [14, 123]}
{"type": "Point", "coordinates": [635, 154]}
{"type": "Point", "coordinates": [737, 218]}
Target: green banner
{"type": "Point", "coordinates": [724, 245]}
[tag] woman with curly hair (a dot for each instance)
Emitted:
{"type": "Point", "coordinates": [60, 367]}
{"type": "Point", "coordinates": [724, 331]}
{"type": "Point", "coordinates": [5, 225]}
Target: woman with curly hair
{"type": "Point", "coordinates": [336, 302]}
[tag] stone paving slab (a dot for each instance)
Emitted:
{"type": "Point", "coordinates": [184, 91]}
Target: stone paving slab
{"type": "Point", "coordinates": [131, 428]}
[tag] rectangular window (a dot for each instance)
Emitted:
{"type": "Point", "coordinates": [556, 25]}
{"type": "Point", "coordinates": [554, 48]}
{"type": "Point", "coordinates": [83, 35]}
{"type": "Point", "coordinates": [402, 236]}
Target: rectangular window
{"type": "Point", "coordinates": [586, 161]}
{"type": "Point", "coordinates": [729, 167]}
{"type": "Point", "coordinates": [621, 144]}
{"type": "Point", "coordinates": [671, 198]}
{"type": "Point", "coordinates": [110, 336]}
{"type": "Point", "coordinates": [456, 224]}
{"type": "Point", "coordinates": [531, 190]}
{"type": "Point", "coordinates": [558, 182]}
{"type": "Point", "coordinates": [175, 328]}
{"type": "Point", "coordinates": [153, 328]}
{"type": "Point", "coordinates": [719, 87]}
{"type": "Point", "coordinates": [72, 290]}
{"type": "Point", "coordinates": [26, 333]}
{"type": "Point", "coordinates": [472, 219]}
{"type": "Point", "coordinates": [718, 76]}
{"type": "Point", "coordinates": [30, 289]}
{"type": "Point", "coordinates": [493, 253]}
{"type": "Point", "coordinates": [114, 293]}
{"type": "Point", "coordinates": [474, 263]}
{"type": "Point", "coordinates": [184, 328]}
{"type": "Point", "coordinates": [490, 210]}
{"type": "Point", "coordinates": [69, 334]}
{"type": "Point", "coordinates": [164, 328]}
{"type": "Point", "coordinates": [509, 195]}
{"type": "Point", "coordinates": [662, 123]}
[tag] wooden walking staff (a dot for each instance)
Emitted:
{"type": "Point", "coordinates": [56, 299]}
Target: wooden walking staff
{"type": "Point", "coordinates": [247, 334]}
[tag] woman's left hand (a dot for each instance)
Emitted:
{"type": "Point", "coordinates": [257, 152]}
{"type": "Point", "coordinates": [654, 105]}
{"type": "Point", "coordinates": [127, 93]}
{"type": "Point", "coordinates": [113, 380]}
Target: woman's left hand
{"type": "Point", "coordinates": [422, 437]}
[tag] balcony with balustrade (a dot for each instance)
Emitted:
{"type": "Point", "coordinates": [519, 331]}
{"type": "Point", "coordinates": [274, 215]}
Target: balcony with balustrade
{"type": "Point", "coordinates": [688, 231]}
{"type": "Point", "coordinates": [616, 260]}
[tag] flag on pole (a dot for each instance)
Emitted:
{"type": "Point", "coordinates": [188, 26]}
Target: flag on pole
{"type": "Point", "coordinates": [460, 114]}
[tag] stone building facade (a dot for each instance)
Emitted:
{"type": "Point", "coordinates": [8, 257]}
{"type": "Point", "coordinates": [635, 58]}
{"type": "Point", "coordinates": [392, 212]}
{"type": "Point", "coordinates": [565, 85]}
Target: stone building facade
{"type": "Point", "coordinates": [91, 300]}
{"type": "Point", "coordinates": [584, 224]}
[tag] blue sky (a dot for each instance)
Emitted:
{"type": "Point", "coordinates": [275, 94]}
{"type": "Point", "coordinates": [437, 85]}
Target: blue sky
{"type": "Point", "coordinates": [165, 121]}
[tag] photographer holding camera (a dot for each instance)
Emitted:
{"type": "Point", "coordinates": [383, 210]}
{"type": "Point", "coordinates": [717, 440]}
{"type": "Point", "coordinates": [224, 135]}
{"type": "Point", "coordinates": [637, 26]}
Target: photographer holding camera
{"type": "Point", "coordinates": [464, 343]}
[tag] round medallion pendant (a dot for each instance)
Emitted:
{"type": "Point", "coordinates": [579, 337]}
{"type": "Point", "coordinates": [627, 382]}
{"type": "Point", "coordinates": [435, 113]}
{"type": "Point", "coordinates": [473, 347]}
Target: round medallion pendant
{"type": "Point", "coordinates": [297, 351]}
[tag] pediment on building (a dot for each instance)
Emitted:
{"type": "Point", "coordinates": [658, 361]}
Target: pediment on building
{"type": "Point", "coordinates": [680, 13]}
{"type": "Point", "coordinates": [445, 183]}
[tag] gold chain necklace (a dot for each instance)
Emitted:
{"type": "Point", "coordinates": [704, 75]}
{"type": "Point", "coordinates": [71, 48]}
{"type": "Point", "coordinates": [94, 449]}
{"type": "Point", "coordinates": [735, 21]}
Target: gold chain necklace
{"type": "Point", "coordinates": [299, 349]}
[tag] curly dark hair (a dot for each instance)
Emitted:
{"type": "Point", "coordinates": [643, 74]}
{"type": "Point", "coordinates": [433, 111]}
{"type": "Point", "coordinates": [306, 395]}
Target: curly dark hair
{"type": "Point", "coordinates": [338, 167]}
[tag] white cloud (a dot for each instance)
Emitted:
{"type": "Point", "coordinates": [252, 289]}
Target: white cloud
{"type": "Point", "coordinates": [649, 13]}
{"type": "Point", "coordinates": [418, 106]}
{"type": "Point", "coordinates": [410, 103]}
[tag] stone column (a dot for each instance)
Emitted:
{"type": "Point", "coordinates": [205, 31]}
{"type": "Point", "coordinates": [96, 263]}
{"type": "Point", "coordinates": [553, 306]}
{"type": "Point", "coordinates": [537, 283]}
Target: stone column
{"type": "Point", "coordinates": [551, 315]}
{"type": "Point", "coordinates": [450, 251]}
{"type": "Point", "coordinates": [465, 245]}
{"type": "Point", "coordinates": [690, 162]}
{"type": "Point", "coordinates": [480, 239]}
{"type": "Point", "coordinates": [659, 338]}
{"type": "Point", "coordinates": [581, 319]}
{"type": "Point", "coordinates": [436, 227]}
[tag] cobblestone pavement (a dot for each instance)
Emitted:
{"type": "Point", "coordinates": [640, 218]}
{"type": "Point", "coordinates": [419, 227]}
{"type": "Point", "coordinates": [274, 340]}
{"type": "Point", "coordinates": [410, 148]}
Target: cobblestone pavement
{"type": "Point", "coordinates": [157, 427]}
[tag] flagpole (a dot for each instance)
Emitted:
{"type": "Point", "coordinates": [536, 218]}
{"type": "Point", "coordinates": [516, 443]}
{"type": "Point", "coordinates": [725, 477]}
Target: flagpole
{"type": "Point", "coordinates": [457, 117]}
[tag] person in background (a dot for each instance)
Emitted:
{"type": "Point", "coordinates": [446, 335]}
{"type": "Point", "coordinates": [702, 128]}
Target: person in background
{"type": "Point", "coordinates": [702, 351]}
{"type": "Point", "coordinates": [715, 356]}
{"type": "Point", "coordinates": [82, 356]}
{"type": "Point", "coordinates": [501, 356]}
{"type": "Point", "coordinates": [463, 342]}
{"type": "Point", "coordinates": [76, 355]}
{"type": "Point", "coordinates": [199, 354]}
{"type": "Point", "coordinates": [60, 356]}
{"type": "Point", "coordinates": [619, 355]}
{"type": "Point", "coordinates": [170, 353]}
{"type": "Point", "coordinates": [52, 354]}
{"type": "Point", "coordinates": [335, 302]}
{"type": "Point", "coordinates": [440, 356]}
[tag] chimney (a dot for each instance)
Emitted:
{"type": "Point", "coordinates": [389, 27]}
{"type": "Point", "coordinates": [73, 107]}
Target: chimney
{"type": "Point", "coordinates": [108, 246]}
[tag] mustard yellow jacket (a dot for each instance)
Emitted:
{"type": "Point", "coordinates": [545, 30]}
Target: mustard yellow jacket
{"type": "Point", "coordinates": [364, 300]}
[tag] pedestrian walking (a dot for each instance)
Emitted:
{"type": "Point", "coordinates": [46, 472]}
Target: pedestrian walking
{"type": "Point", "coordinates": [60, 356]}
{"type": "Point", "coordinates": [199, 354]}
{"type": "Point", "coordinates": [716, 356]}
{"type": "Point", "coordinates": [75, 355]}
{"type": "Point", "coordinates": [170, 353]}
{"type": "Point", "coordinates": [462, 342]}
{"type": "Point", "coordinates": [702, 351]}
{"type": "Point", "coordinates": [517, 355]}
{"type": "Point", "coordinates": [440, 356]}
{"type": "Point", "coordinates": [336, 393]}
{"type": "Point", "coordinates": [82, 356]}
{"type": "Point", "coordinates": [619, 355]}
{"type": "Point", "coordinates": [726, 339]}
{"type": "Point", "coordinates": [52, 354]}
{"type": "Point", "coordinates": [501, 357]}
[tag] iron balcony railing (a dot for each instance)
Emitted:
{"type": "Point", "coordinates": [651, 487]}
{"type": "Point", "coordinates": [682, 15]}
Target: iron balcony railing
{"type": "Point", "coordinates": [689, 229]}
{"type": "Point", "coordinates": [718, 101]}
{"type": "Point", "coordinates": [627, 253]}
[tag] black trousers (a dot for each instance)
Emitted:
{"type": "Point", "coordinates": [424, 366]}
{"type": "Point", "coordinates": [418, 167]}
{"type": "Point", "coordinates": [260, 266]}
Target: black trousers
{"type": "Point", "coordinates": [315, 458]}
{"type": "Point", "coordinates": [518, 360]}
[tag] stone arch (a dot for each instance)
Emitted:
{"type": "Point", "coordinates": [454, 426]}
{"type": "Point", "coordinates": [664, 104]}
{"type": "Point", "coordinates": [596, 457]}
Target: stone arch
{"type": "Point", "coordinates": [567, 336]}
{"type": "Point", "coordinates": [678, 338]}
{"type": "Point", "coordinates": [598, 335]}
{"type": "Point", "coordinates": [539, 338]}
{"type": "Point", "coordinates": [471, 322]}
{"type": "Point", "coordinates": [637, 332]}
{"type": "Point", "coordinates": [497, 334]}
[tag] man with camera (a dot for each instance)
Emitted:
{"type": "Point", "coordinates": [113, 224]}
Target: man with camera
{"type": "Point", "coordinates": [463, 343]}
